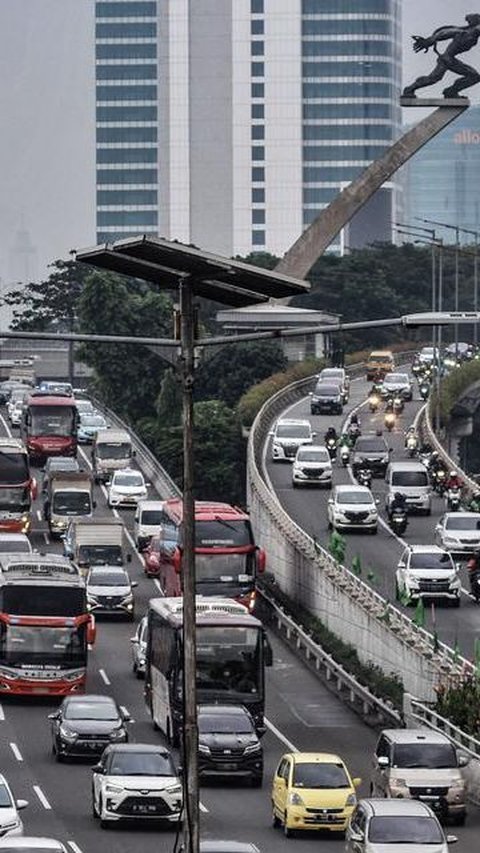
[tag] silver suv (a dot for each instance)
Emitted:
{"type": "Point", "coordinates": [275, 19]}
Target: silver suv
{"type": "Point", "coordinates": [420, 764]}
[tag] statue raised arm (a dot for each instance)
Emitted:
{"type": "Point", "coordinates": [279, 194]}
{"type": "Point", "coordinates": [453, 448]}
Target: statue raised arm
{"type": "Point", "coordinates": [462, 39]}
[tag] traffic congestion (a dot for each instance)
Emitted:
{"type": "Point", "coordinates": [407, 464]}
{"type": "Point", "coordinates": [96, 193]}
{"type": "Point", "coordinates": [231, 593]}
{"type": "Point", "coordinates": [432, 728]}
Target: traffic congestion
{"type": "Point", "coordinates": [91, 704]}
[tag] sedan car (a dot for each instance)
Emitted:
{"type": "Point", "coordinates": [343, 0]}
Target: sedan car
{"type": "Point", "coordinates": [395, 825]}
{"type": "Point", "coordinates": [312, 467]}
{"type": "Point", "coordinates": [32, 844]}
{"type": "Point", "coordinates": [85, 725]}
{"type": "Point", "coordinates": [10, 821]}
{"type": "Point", "coordinates": [397, 383]}
{"type": "Point", "coordinates": [126, 488]}
{"type": "Point", "coordinates": [458, 532]}
{"type": "Point", "coordinates": [89, 425]}
{"type": "Point", "coordinates": [228, 744]}
{"type": "Point", "coordinates": [426, 571]}
{"type": "Point", "coordinates": [312, 790]}
{"type": "Point", "coordinates": [136, 781]}
{"type": "Point", "coordinates": [139, 648]}
{"type": "Point", "coordinates": [110, 591]}
{"type": "Point", "coordinates": [352, 507]}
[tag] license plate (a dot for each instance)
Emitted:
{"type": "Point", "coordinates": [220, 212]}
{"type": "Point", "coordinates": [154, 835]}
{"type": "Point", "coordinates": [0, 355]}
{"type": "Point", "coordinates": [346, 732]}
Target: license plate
{"type": "Point", "coordinates": [144, 808]}
{"type": "Point", "coordinates": [229, 766]}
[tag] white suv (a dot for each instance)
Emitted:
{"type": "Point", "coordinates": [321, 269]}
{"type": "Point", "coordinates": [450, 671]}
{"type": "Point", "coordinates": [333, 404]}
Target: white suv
{"type": "Point", "coordinates": [426, 571]}
{"type": "Point", "coordinates": [287, 436]}
{"type": "Point", "coordinates": [312, 467]}
{"type": "Point", "coordinates": [352, 507]}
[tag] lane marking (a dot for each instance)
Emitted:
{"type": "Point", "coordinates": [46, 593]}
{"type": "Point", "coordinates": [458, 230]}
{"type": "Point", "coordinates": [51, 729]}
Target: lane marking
{"type": "Point", "coordinates": [104, 675]}
{"type": "Point", "coordinates": [47, 538]}
{"type": "Point", "coordinates": [280, 735]}
{"type": "Point", "coordinates": [75, 847]}
{"type": "Point", "coordinates": [41, 796]}
{"type": "Point", "coordinates": [39, 515]}
{"type": "Point", "coordinates": [6, 427]}
{"type": "Point", "coordinates": [157, 584]}
{"type": "Point", "coordinates": [2, 713]}
{"type": "Point", "coordinates": [125, 710]}
{"type": "Point", "coordinates": [203, 808]}
{"type": "Point", "coordinates": [18, 755]}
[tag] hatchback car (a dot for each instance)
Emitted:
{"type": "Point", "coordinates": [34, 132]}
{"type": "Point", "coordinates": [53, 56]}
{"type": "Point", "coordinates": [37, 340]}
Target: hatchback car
{"type": "Point", "coordinates": [397, 383]}
{"type": "Point", "coordinates": [228, 744]}
{"type": "Point", "coordinates": [458, 532]}
{"type": "Point", "coordinates": [85, 725]}
{"type": "Point", "coordinates": [89, 425]}
{"type": "Point", "coordinates": [312, 790]}
{"type": "Point", "coordinates": [396, 826]}
{"type": "Point", "coordinates": [136, 781]}
{"type": "Point", "coordinates": [126, 488]}
{"type": "Point", "coordinates": [288, 435]}
{"type": "Point", "coordinates": [10, 821]}
{"type": "Point", "coordinates": [312, 467]}
{"type": "Point", "coordinates": [352, 507]}
{"type": "Point", "coordinates": [139, 648]}
{"type": "Point", "coordinates": [426, 571]}
{"type": "Point", "coordinates": [110, 592]}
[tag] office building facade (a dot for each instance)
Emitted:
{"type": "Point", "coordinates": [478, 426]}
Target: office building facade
{"type": "Point", "coordinates": [243, 118]}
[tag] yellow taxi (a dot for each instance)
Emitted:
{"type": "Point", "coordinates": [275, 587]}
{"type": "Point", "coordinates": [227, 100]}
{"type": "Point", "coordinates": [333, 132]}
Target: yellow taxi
{"type": "Point", "coordinates": [312, 790]}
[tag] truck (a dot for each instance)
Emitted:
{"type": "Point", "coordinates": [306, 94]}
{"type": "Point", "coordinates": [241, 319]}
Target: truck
{"type": "Point", "coordinates": [93, 541]}
{"type": "Point", "coordinates": [69, 495]}
{"type": "Point", "coordinates": [111, 450]}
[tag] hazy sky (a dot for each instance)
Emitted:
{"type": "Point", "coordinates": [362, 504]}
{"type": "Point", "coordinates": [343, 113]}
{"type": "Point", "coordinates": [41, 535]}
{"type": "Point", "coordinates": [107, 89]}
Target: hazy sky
{"type": "Point", "coordinates": [47, 141]}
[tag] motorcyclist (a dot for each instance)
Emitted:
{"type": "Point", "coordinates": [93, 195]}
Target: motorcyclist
{"type": "Point", "coordinates": [398, 504]}
{"type": "Point", "coordinates": [454, 481]}
{"type": "Point", "coordinates": [331, 435]}
{"type": "Point", "coordinates": [473, 568]}
{"type": "Point", "coordinates": [474, 503]}
{"type": "Point", "coordinates": [389, 404]}
{"type": "Point", "coordinates": [354, 419]}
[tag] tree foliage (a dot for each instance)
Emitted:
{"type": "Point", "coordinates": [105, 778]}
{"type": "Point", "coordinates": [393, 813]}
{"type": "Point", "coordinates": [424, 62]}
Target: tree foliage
{"type": "Point", "coordinates": [39, 306]}
{"type": "Point", "coordinates": [234, 368]}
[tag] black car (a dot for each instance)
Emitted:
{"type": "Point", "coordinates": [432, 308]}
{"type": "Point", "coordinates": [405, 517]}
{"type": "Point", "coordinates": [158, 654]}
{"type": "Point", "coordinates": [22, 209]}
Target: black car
{"type": "Point", "coordinates": [327, 397]}
{"type": "Point", "coordinates": [228, 744]}
{"type": "Point", "coordinates": [371, 451]}
{"type": "Point", "coordinates": [85, 725]}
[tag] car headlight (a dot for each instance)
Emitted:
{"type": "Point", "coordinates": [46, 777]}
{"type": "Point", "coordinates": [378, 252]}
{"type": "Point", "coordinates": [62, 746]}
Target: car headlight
{"type": "Point", "coordinates": [128, 598]}
{"type": "Point", "coordinates": [411, 579]}
{"type": "Point", "coordinates": [175, 789]}
{"type": "Point", "coordinates": [113, 789]}
{"type": "Point", "coordinates": [117, 734]}
{"type": "Point", "coordinates": [252, 747]}
{"type": "Point", "coordinates": [14, 824]}
{"type": "Point", "coordinates": [351, 800]}
{"type": "Point", "coordinates": [455, 581]}
{"type": "Point", "coordinates": [449, 540]}
{"type": "Point", "coordinates": [67, 734]}
{"type": "Point", "coordinates": [458, 784]}
{"type": "Point", "coordinates": [398, 783]}
{"type": "Point", "coordinates": [295, 799]}
{"type": "Point", "coordinates": [204, 748]}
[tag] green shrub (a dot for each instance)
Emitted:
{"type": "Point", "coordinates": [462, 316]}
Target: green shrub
{"type": "Point", "coordinates": [460, 704]}
{"type": "Point", "coordinates": [451, 389]}
{"type": "Point", "coordinates": [252, 401]}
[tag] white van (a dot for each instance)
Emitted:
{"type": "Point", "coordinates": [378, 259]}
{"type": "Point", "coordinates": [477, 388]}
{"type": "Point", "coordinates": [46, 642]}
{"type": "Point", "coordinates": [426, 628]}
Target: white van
{"type": "Point", "coordinates": [148, 519]}
{"type": "Point", "coordinates": [411, 480]}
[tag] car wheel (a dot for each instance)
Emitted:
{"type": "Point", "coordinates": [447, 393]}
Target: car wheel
{"type": "Point", "coordinates": [275, 819]}
{"type": "Point", "coordinates": [397, 591]}
{"type": "Point", "coordinates": [94, 808]}
{"type": "Point", "coordinates": [256, 781]}
{"type": "Point", "coordinates": [456, 601]}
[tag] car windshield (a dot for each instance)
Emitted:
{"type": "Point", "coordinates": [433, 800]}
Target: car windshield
{"type": "Point", "coordinates": [293, 431]}
{"type": "Point", "coordinates": [431, 755]}
{"type": "Point", "coordinates": [141, 764]}
{"type": "Point", "coordinates": [311, 455]}
{"type": "Point", "coordinates": [465, 522]}
{"type": "Point", "coordinates": [410, 479]}
{"type": "Point", "coordinates": [216, 724]}
{"type": "Point", "coordinates": [405, 829]}
{"type": "Point", "coordinates": [354, 498]}
{"type": "Point", "coordinates": [320, 775]}
{"type": "Point", "coordinates": [397, 378]}
{"type": "Point", "coordinates": [72, 503]}
{"type": "Point", "coordinates": [370, 445]}
{"type": "Point", "coordinates": [128, 480]}
{"type": "Point", "coordinates": [15, 546]}
{"type": "Point", "coordinates": [151, 516]}
{"type": "Point", "coordinates": [108, 578]}
{"type": "Point", "coordinates": [431, 561]}
{"type": "Point", "coordinates": [327, 390]}
{"type": "Point", "coordinates": [82, 710]}
{"type": "Point", "coordinates": [5, 798]}
{"type": "Point", "coordinates": [113, 451]}
{"type": "Point", "coordinates": [93, 420]}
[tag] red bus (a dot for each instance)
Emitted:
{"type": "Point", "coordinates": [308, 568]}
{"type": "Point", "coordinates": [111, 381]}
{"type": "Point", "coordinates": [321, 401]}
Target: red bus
{"type": "Point", "coordinates": [17, 487]}
{"type": "Point", "coordinates": [45, 629]}
{"type": "Point", "coordinates": [49, 426]}
{"type": "Point", "coordinates": [227, 560]}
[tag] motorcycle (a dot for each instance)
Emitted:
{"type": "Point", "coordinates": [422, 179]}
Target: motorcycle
{"type": "Point", "coordinates": [398, 521]}
{"type": "Point", "coordinates": [389, 420]}
{"type": "Point", "coordinates": [412, 445]}
{"type": "Point", "coordinates": [353, 432]}
{"type": "Point", "coordinates": [398, 405]}
{"type": "Point", "coordinates": [344, 452]}
{"type": "Point", "coordinates": [424, 390]}
{"type": "Point", "coordinates": [439, 477]}
{"type": "Point", "coordinates": [331, 445]}
{"type": "Point", "coordinates": [364, 477]}
{"type": "Point", "coordinates": [474, 578]}
{"type": "Point", "coordinates": [453, 499]}
{"type": "Point", "coordinates": [373, 403]}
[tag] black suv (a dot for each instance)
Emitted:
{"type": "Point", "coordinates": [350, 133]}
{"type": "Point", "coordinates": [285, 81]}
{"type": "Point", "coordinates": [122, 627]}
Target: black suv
{"type": "Point", "coordinates": [327, 398]}
{"type": "Point", "coordinates": [371, 451]}
{"type": "Point", "coordinates": [228, 744]}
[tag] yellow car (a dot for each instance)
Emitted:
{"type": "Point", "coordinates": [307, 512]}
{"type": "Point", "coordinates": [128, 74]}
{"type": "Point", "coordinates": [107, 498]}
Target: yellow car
{"type": "Point", "coordinates": [312, 790]}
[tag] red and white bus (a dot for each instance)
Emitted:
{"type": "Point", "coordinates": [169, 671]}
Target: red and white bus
{"type": "Point", "coordinates": [17, 487]}
{"type": "Point", "coordinates": [49, 426]}
{"type": "Point", "coordinates": [227, 560]}
{"type": "Point", "coordinates": [45, 628]}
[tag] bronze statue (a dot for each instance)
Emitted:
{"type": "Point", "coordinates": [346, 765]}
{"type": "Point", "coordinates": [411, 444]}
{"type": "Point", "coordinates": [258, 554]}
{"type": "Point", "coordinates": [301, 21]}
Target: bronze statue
{"type": "Point", "coordinates": [463, 39]}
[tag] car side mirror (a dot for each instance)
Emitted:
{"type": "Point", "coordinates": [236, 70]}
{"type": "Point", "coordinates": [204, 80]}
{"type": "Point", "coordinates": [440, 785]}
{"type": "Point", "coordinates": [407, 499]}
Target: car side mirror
{"type": "Point", "coordinates": [390, 449]}
{"type": "Point", "coordinates": [126, 717]}
{"type": "Point", "coordinates": [383, 761]}
{"type": "Point", "coordinates": [314, 434]}
{"type": "Point", "coordinates": [356, 782]}
{"type": "Point", "coordinates": [330, 501]}
{"type": "Point", "coordinates": [463, 760]}
{"type": "Point", "coordinates": [133, 584]}
{"type": "Point", "coordinates": [98, 768]}
{"type": "Point", "coordinates": [129, 558]}
{"type": "Point", "coordinates": [271, 432]}
{"type": "Point", "coordinates": [452, 839]}
{"type": "Point", "coordinates": [53, 716]}
{"type": "Point", "coordinates": [134, 639]}
{"type": "Point", "coordinates": [21, 804]}
{"type": "Point", "coordinates": [180, 770]}
{"type": "Point", "coordinates": [356, 836]}
{"type": "Point", "coordinates": [401, 564]}
{"type": "Point", "coordinates": [310, 393]}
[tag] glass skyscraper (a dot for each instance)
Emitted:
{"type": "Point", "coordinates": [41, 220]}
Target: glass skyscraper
{"type": "Point", "coordinates": [266, 109]}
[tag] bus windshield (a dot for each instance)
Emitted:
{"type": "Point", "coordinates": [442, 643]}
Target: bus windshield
{"type": "Point", "coordinates": [224, 567]}
{"type": "Point", "coordinates": [15, 500]}
{"type": "Point", "coordinates": [219, 533]}
{"type": "Point", "coordinates": [37, 645]}
{"type": "Point", "coordinates": [228, 660]}
{"type": "Point", "coordinates": [52, 420]}
{"type": "Point", "coordinates": [13, 468]}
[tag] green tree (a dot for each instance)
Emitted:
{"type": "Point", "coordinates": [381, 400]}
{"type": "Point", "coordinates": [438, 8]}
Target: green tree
{"type": "Point", "coordinates": [169, 401]}
{"type": "Point", "coordinates": [234, 368]}
{"type": "Point", "coordinates": [39, 306]}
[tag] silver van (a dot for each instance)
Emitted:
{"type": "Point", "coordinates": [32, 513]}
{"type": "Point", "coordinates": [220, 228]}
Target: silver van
{"type": "Point", "coordinates": [411, 480]}
{"type": "Point", "coordinates": [111, 450]}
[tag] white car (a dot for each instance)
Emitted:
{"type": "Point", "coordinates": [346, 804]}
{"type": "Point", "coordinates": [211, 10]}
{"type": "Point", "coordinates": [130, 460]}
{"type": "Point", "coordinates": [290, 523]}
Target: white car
{"type": "Point", "coordinates": [288, 435]}
{"type": "Point", "coordinates": [85, 407]}
{"type": "Point", "coordinates": [397, 383]}
{"type": "Point", "coordinates": [395, 826]}
{"type": "Point", "coordinates": [10, 821]}
{"type": "Point", "coordinates": [427, 355]}
{"type": "Point", "coordinates": [458, 532]}
{"type": "Point", "coordinates": [15, 543]}
{"type": "Point", "coordinates": [126, 488]}
{"type": "Point", "coordinates": [312, 467]}
{"type": "Point", "coordinates": [136, 781]}
{"type": "Point", "coordinates": [352, 507]}
{"type": "Point", "coordinates": [426, 571]}
{"type": "Point", "coordinates": [32, 844]}
{"type": "Point", "coordinates": [15, 413]}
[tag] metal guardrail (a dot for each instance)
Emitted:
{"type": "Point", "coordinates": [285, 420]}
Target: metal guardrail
{"type": "Point", "coordinates": [426, 716]}
{"type": "Point", "coordinates": [426, 426]}
{"type": "Point", "coordinates": [346, 685]}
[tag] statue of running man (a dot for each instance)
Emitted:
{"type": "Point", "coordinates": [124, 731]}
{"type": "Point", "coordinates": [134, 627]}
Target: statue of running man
{"type": "Point", "coordinates": [462, 40]}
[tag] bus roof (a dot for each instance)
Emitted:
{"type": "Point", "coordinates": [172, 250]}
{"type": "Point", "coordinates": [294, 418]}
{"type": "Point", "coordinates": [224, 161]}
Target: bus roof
{"type": "Point", "coordinates": [51, 400]}
{"type": "Point", "coordinates": [208, 610]}
{"type": "Point", "coordinates": [39, 567]}
{"type": "Point", "coordinates": [205, 511]}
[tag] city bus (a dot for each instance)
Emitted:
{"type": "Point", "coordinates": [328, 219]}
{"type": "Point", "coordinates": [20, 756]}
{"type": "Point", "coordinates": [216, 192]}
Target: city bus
{"type": "Point", "coordinates": [227, 560]}
{"type": "Point", "coordinates": [49, 426]}
{"type": "Point", "coordinates": [17, 487]}
{"type": "Point", "coordinates": [45, 629]}
{"type": "Point", "coordinates": [232, 653]}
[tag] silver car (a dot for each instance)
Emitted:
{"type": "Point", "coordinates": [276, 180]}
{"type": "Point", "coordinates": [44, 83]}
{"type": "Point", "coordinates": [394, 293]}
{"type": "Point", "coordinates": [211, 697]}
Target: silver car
{"type": "Point", "coordinates": [139, 648]}
{"type": "Point", "coordinates": [458, 532]}
{"type": "Point", "coordinates": [396, 826]}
